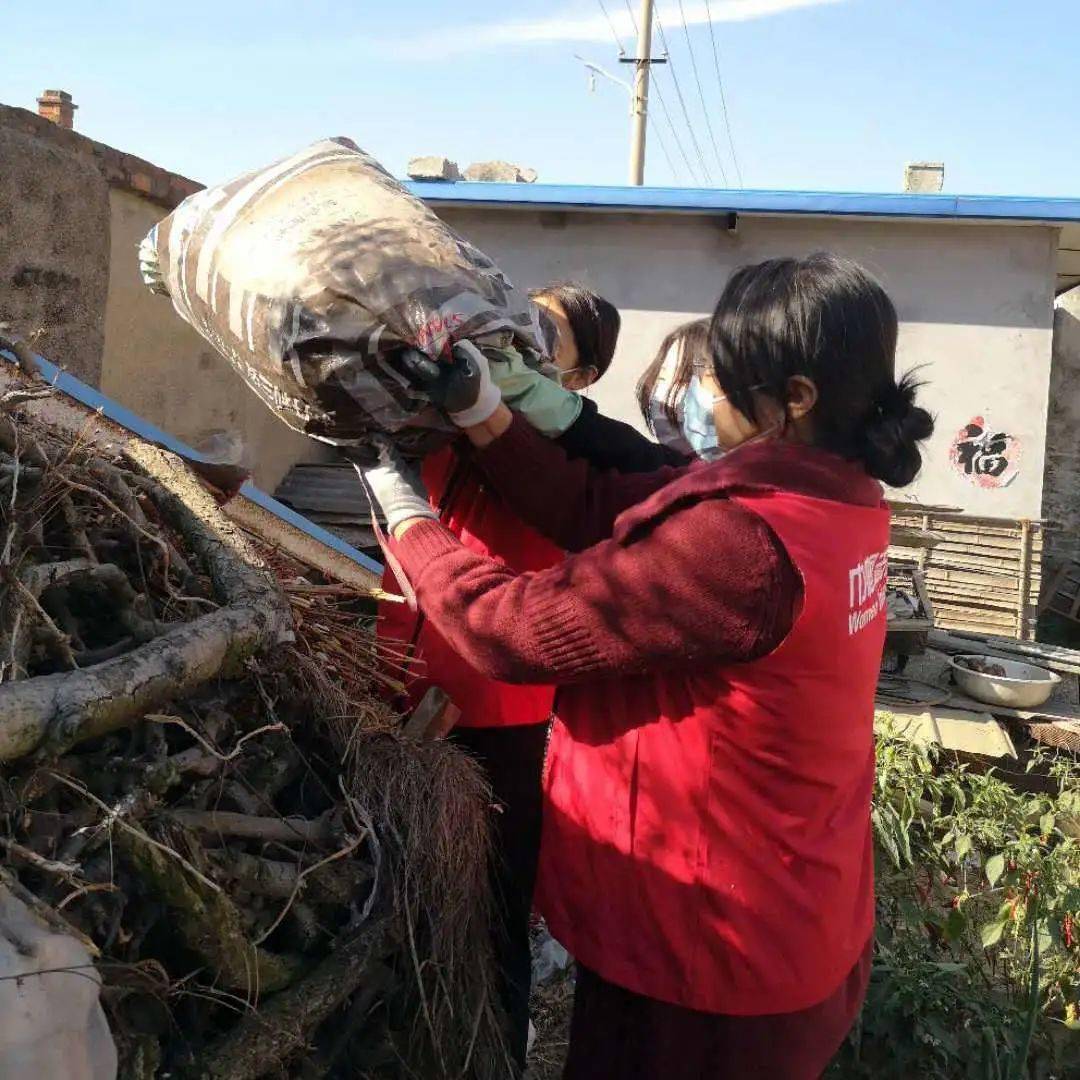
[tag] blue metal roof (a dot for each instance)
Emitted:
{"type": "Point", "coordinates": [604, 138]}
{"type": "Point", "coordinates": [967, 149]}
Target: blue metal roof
{"type": "Point", "coordinates": [116, 412]}
{"type": "Point", "coordinates": [719, 201]}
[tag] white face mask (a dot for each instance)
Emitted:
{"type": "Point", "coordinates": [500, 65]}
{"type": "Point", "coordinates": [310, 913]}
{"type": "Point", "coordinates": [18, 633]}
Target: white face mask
{"type": "Point", "coordinates": [588, 371]}
{"type": "Point", "coordinates": [666, 432]}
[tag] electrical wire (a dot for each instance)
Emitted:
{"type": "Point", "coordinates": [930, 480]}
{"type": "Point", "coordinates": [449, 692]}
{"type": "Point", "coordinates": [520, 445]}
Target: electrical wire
{"type": "Point", "coordinates": [682, 101]}
{"type": "Point", "coordinates": [723, 98]}
{"type": "Point", "coordinates": [611, 27]}
{"type": "Point", "coordinates": [664, 108]}
{"type": "Point", "coordinates": [653, 126]}
{"type": "Point", "coordinates": [701, 95]}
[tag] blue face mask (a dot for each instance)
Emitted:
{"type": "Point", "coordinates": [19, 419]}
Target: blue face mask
{"type": "Point", "coordinates": [699, 422]}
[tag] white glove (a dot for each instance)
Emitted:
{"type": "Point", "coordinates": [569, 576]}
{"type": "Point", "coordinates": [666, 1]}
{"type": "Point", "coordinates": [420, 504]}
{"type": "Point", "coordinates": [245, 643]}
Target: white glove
{"type": "Point", "coordinates": [396, 488]}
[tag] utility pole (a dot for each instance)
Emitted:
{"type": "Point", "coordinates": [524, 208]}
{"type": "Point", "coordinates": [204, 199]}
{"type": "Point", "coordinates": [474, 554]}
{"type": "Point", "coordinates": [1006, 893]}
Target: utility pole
{"type": "Point", "coordinates": [639, 110]}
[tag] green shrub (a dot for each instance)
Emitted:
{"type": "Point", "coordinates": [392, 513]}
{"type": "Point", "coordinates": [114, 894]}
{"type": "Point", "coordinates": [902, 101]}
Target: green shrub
{"type": "Point", "coordinates": [977, 960]}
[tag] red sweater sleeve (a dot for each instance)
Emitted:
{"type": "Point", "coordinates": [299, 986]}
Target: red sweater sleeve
{"type": "Point", "coordinates": [616, 608]}
{"type": "Point", "coordinates": [569, 501]}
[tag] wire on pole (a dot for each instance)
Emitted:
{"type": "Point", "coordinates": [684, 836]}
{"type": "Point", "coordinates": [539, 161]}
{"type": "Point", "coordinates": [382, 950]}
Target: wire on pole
{"type": "Point", "coordinates": [682, 103]}
{"type": "Point", "coordinates": [611, 27]}
{"type": "Point", "coordinates": [723, 97]}
{"type": "Point", "coordinates": [665, 110]}
{"type": "Point", "coordinates": [701, 94]}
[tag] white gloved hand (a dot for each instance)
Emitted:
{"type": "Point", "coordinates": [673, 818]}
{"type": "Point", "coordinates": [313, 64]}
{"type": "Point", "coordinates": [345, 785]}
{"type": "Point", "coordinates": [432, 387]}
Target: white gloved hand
{"type": "Point", "coordinates": [396, 488]}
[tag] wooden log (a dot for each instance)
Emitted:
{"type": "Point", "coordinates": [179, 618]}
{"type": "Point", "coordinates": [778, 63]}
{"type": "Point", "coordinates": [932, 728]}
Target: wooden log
{"type": "Point", "coordinates": [210, 924]}
{"type": "Point", "coordinates": [335, 883]}
{"type": "Point", "coordinates": [72, 706]}
{"type": "Point", "coordinates": [263, 1040]}
{"type": "Point", "coordinates": [249, 827]}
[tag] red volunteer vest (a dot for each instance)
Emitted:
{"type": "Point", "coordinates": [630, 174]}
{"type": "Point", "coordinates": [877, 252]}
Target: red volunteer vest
{"type": "Point", "coordinates": [707, 834]}
{"type": "Point", "coordinates": [483, 523]}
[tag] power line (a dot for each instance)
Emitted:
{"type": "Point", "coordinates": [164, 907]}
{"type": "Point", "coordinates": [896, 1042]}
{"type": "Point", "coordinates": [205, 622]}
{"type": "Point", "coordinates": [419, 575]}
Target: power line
{"type": "Point", "coordinates": [611, 27]}
{"type": "Point", "coordinates": [664, 108]}
{"type": "Point", "coordinates": [663, 146]}
{"type": "Point", "coordinates": [723, 99]}
{"type": "Point", "coordinates": [701, 94]}
{"type": "Point", "coordinates": [682, 101]}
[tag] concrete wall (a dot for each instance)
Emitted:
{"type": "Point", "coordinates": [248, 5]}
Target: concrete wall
{"type": "Point", "coordinates": [72, 213]}
{"type": "Point", "coordinates": [1061, 492]}
{"type": "Point", "coordinates": [54, 251]}
{"type": "Point", "coordinates": [975, 302]}
{"type": "Point", "coordinates": [158, 367]}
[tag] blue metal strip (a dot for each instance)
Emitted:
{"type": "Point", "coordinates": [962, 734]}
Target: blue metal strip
{"type": "Point", "coordinates": [712, 200]}
{"type": "Point", "coordinates": [97, 401]}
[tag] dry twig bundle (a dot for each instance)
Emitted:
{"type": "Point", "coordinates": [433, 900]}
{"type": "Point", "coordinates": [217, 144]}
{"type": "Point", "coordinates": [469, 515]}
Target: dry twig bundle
{"type": "Point", "coordinates": [200, 778]}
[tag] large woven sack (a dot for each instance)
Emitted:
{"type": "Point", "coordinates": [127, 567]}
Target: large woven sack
{"type": "Point", "coordinates": [51, 1020]}
{"type": "Point", "coordinates": [311, 277]}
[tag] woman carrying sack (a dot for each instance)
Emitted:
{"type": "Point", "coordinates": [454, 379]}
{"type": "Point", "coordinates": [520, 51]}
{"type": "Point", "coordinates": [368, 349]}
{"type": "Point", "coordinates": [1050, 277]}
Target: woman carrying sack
{"type": "Point", "coordinates": [707, 851]}
{"type": "Point", "coordinates": [505, 726]}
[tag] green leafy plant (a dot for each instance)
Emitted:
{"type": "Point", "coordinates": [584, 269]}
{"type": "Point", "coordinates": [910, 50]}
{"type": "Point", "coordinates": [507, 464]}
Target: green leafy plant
{"type": "Point", "coordinates": [977, 955]}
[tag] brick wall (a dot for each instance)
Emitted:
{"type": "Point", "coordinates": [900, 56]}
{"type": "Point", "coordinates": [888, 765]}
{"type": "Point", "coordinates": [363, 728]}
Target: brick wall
{"type": "Point", "coordinates": [124, 171]}
{"type": "Point", "coordinates": [54, 250]}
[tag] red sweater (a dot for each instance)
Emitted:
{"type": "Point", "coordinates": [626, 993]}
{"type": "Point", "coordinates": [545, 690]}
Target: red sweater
{"type": "Point", "coordinates": [595, 613]}
{"type": "Point", "coordinates": [706, 831]}
{"type": "Point", "coordinates": [476, 515]}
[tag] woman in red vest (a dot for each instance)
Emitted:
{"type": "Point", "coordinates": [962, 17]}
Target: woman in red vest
{"type": "Point", "coordinates": [707, 852]}
{"type": "Point", "coordinates": [504, 725]}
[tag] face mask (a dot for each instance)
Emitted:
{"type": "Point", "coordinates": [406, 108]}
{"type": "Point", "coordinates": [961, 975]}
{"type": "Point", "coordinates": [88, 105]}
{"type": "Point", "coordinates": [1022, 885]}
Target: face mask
{"type": "Point", "coordinates": [587, 370]}
{"type": "Point", "coordinates": [698, 421]}
{"type": "Point", "coordinates": [667, 433]}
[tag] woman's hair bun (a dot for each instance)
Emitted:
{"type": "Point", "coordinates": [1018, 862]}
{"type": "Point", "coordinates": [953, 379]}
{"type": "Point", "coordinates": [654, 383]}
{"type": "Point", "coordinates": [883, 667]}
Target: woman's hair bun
{"type": "Point", "coordinates": [893, 432]}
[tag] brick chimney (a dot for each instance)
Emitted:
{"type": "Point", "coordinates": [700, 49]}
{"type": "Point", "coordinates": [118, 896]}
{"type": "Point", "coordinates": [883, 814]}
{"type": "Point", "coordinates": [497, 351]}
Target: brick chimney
{"type": "Point", "coordinates": [57, 106]}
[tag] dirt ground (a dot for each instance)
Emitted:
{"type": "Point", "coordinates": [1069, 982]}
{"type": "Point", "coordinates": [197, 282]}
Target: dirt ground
{"type": "Point", "coordinates": [550, 1008]}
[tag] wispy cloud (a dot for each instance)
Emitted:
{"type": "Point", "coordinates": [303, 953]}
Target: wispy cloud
{"type": "Point", "coordinates": [555, 29]}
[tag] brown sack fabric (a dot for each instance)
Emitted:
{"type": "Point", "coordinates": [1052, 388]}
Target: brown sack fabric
{"type": "Point", "coordinates": [312, 275]}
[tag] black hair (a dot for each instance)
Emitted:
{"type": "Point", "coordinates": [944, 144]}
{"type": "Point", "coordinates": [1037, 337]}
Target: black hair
{"type": "Point", "coordinates": [692, 341]}
{"type": "Point", "coordinates": [593, 321]}
{"type": "Point", "coordinates": [827, 319]}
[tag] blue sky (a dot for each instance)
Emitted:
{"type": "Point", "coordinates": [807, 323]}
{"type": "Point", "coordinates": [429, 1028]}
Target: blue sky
{"type": "Point", "coordinates": [821, 94]}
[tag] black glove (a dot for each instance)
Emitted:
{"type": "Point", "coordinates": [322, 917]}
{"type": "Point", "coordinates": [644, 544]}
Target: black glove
{"type": "Point", "coordinates": [463, 389]}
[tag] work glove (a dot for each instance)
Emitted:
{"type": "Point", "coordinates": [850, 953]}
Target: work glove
{"type": "Point", "coordinates": [541, 400]}
{"type": "Point", "coordinates": [463, 389]}
{"type": "Point", "coordinates": [395, 488]}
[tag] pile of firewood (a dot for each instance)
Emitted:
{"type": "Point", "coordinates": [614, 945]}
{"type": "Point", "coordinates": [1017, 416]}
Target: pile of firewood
{"type": "Point", "coordinates": [200, 778]}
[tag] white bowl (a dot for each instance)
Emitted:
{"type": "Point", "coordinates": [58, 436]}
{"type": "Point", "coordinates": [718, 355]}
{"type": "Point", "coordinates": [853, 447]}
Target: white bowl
{"type": "Point", "coordinates": [1023, 686]}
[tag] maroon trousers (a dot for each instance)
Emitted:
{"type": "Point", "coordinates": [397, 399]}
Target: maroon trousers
{"type": "Point", "coordinates": [616, 1034]}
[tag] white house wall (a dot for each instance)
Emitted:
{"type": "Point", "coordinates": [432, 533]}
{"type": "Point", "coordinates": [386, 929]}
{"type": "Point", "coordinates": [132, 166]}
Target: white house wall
{"type": "Point", "coordinates": [975, 303]}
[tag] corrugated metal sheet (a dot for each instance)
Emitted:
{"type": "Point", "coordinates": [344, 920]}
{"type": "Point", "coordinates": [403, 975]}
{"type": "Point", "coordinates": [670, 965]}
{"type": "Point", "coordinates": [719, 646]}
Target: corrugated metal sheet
{"type": "Point", "coordinates": [127, 419]}
{"type": "Point", "coordinates": [1001, 209]}
{"type": "Point", "coordinates": [331, 495]}
{"type": "Point", "coordinates": [332, 489]}
{"type": "Point", "coordinates": [1015, 208]}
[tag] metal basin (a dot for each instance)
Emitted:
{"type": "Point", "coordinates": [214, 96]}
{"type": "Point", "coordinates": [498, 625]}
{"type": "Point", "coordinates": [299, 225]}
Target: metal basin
{"type": "Point", "coordinates": [1023, 686]}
